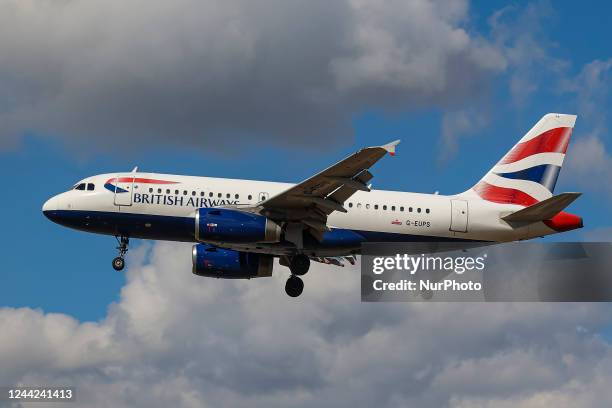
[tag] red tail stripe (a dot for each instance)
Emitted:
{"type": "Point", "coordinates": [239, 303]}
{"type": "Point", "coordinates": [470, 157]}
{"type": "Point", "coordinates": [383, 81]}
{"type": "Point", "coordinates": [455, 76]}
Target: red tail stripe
{"type": "Point", "coordinates": [503, 195]}
{"type": "Point", "coordinates": [551, 141]}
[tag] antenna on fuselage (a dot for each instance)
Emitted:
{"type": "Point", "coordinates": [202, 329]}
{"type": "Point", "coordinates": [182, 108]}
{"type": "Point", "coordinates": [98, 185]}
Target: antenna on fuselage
{"type": "Point", "coordinates": [135, 169]}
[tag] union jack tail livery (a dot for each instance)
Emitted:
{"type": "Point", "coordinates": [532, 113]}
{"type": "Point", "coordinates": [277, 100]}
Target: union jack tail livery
{"type": "Point", "coordinates": [527, 174]}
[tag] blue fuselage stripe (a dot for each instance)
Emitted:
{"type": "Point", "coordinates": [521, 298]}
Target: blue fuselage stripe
{"type": "Point", "coordinates": [170, 228]}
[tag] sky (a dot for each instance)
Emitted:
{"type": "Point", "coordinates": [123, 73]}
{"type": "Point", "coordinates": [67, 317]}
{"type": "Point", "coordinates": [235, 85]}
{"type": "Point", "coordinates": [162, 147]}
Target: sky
{"type": "Point", "coordinates": [278, 91]}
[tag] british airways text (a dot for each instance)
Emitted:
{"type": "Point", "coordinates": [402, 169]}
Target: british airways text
{"type": "Point", "coordinates": [181, 201]}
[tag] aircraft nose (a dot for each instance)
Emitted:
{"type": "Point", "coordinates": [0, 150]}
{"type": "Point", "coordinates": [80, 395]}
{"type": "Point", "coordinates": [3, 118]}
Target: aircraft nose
{"type": "Point", "coordinates": [49, 208]}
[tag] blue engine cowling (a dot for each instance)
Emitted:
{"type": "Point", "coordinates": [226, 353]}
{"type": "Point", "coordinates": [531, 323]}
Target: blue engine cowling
{"type": "Point", "coordinates": [225, 263]}
{"type": "Point", "coordinates": [225, 225]}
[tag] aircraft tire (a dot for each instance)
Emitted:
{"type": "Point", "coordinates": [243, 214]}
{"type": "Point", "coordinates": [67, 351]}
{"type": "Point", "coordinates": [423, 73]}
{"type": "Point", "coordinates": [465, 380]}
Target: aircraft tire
{"type": "Point", "coordinates": [294, 286]}
{"type": "Point", "coordinates": [299, 264]}
{"type": "Point", "coordinates": [118, 264]}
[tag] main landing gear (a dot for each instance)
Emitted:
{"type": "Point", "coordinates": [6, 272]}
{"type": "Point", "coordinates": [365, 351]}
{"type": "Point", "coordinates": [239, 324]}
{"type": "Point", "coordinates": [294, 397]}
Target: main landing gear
{"type": "Point", "coordinates": [299, 265]}
{"type": "Point", "coordinates": [119, 262]}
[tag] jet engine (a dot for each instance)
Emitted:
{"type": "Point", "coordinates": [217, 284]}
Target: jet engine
{"type": "Point", "coordinates": [235, 226]}
{"type": "Point", "coordinates": [228, 264]}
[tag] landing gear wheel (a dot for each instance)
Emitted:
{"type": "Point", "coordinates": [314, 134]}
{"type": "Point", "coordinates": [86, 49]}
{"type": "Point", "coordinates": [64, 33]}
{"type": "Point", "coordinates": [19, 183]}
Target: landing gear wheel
{"type": "Point", "coordinates": [118, 263]}
{"type": "Point", "coordinates": [294, 286]}
{"type": "Point", "coordinates": [299, 265]}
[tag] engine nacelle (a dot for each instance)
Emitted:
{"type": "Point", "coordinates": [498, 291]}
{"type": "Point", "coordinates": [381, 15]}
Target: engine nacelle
{"type": "Point", "coordinates": [225, 225]}
{"type": "Point", "coordinates": [224, 263]}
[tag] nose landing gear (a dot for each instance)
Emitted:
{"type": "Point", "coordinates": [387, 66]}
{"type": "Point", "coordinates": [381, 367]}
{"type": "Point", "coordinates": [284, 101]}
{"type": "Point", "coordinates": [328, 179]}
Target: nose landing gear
{"type": "Point", "coordinates": [119, 262]}
{"type": "Point", "coordinates": [299, 265]}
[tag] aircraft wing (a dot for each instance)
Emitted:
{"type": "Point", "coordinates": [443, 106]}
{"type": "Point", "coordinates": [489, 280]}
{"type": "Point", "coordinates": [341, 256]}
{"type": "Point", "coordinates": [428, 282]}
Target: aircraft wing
{"type": "Point", "coordinates": [312, 200]}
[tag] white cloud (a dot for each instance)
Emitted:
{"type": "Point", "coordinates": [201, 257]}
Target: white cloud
{"type": "Point", "coordinates": [180, 340]}
{"type": "Point", "coordinates": [457, 124]}
{"type": "Point", "coordinates": [520, 34]}
{"type": "Point", "coordinates": [589, 163]}
{"type": "Point", "coordinates": [189, 72]}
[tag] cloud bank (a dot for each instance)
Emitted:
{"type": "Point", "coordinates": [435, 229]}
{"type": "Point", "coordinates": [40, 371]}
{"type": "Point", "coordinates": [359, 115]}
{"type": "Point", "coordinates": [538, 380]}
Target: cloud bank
{"type": "Point", "coordinates": [102, 74]}
{"type": "Point", "coordinates": [174, 339]}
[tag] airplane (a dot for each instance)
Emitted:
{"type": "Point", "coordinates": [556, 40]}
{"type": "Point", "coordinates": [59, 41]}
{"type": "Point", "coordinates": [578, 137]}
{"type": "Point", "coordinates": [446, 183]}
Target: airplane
{"type": "Point", "coordinates": [238, 227]}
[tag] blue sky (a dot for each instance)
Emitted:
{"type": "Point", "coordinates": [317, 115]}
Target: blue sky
{"type": "Point", "coordinates": [277, 90]}
{"type": "Point", "coordinates": [59, 270]}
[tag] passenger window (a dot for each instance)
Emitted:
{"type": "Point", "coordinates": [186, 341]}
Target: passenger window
{"type": "Point", "coordinates": [376, 206]}
{"type": "Point", "coordinates": [210, 194]}
{"type": "Point", "coordinates": [402, 209]}
{"type": "Point", "coordinates": [384, 207]}
{"type": "Point", "coordinates": [419, 210]}
{"type": "Point", "coordinates": [201, 194]}
{"type": "Point", "coordinates": [237, 196]}
{"type": "Point", "coordinates": [350, 205]}
{"type": "Point", "coordinates": [427, 210]}
{"type": "Point", "coordinates": [358, 205]}
{"type": "Point", "coordinates": [193, 193]}
{"type": "Point", "coordinates": [367, 206]}
{"type": "Point", "coordinates": [250, 197]}
{"type": "Point", "coordinates": [184, 192]}
{"type": "Point", "coordinates": [159, 191]}
{"type": "Point", "coordinates": [176, 192]}
{"type": "Point", "coordinates": [168, 191]}
{"type": "Point", "coordinates": [91, 187]}
{"type": "Point", "coordinates": [393, 208]}
{"type": "Point", "coordinates": [150, 190]}
{"type": "Point", "coordinates": [219, 195]}
{"type": "Point", "coordinates": [410, 209]}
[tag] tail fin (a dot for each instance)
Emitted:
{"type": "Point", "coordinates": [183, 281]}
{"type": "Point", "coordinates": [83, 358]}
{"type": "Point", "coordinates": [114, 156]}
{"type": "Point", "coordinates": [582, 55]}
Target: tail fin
{"type": "Point", "coordinates": [527, 174]}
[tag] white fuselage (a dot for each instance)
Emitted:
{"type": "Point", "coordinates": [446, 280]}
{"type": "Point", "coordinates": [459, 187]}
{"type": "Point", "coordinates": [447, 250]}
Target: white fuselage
{"type": "Point", "coordinates": [147, 209]}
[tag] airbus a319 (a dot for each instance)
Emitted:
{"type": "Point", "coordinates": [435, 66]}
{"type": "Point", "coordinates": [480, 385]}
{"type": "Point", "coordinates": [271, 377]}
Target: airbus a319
{"type": "Point", "coordinates": [238, 227]}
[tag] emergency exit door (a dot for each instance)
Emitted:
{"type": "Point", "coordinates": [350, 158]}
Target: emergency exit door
{"type": "Point", "coordinates": [459, 215]}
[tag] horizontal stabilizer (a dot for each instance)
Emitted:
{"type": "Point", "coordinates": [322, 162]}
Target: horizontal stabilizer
{"type": "Point", "coordinates": [544, 210]}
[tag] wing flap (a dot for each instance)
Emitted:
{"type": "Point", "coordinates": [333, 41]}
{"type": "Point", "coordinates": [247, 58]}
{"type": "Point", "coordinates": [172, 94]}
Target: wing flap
{"type": "Point", "coordinates": [544, 210]}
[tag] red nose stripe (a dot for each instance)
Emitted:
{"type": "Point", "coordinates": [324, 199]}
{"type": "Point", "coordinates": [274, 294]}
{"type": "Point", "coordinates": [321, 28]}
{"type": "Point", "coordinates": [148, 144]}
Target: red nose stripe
{"type": "Point", "coordinates": [140, 180]}
{"type": "Point", "coordinates": [503, 195]}
{"type": "Point", "coordinates": [551, 141]}
{"type": "Point", "coordinates": [564, 221]}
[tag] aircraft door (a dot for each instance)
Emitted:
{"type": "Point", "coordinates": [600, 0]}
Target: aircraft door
{"type": "Point", "coordinates": [263, 196]}
{"type": "Point", "coordinates": [124, 189]}
{"type": "Point", "coordinates": [459, 215]}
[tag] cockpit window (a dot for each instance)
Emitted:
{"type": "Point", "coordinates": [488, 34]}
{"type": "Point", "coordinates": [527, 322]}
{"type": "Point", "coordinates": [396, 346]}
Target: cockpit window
{"type": "Point", "coordinates": [91, 187]}
{"type": "Point", "coordinates": [80, 186]}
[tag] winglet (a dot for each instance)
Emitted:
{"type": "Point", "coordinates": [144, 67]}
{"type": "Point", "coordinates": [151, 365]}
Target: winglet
{"type": "Point", "coordinates": [390, 147]}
